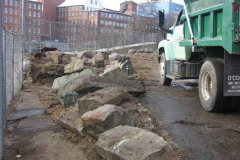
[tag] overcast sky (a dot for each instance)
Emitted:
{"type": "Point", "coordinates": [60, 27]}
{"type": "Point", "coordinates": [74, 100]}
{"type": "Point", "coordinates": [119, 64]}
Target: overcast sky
{"type": "Point", "coordinates": [115, 4]}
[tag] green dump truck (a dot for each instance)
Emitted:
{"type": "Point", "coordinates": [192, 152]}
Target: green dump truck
{"type": "Point", "coordinates": [204, 44]}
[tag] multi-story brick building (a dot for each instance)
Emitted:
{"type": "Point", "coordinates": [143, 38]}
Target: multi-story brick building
{"type": "Point", "coordinates": [77, 18]}
{"type": "Point", "coordinates": [36, 11]}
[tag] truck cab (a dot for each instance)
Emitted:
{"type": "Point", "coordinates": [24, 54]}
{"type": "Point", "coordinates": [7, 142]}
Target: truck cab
{"type": "Point", "coordinates": [200, 46]}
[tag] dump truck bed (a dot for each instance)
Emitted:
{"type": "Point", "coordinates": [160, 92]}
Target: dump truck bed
{"type": "Point", "coordinates": [214, 23]}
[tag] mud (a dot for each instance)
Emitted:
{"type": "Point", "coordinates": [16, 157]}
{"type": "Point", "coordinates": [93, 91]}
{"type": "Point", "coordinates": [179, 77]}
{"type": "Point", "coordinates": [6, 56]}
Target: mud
{"type": "Point", "coordinates": [199, 134]}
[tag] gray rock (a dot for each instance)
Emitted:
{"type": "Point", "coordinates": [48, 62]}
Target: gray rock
{"type": "Point", "coordinates": [70, 119]}
{"type": "Point", "coordinates": [131, 51]}
{"type": "Point", "coordinates": [62, 81]}
{"type": "Point", "coordinates": [85, 55]}
{"type": "Point", "coordinates": [102, 119]}
{"type": "Point", "coordinates": [130, 143]}
{"type": "Point", "coordinates": [76, 65]}
{"type": "Point", "coordinates": [91, 84]}
{"type": "Point", "coordinates": [114, 56]}
{"type": "Point", "coordinates": [114, 72]}
{"type": "Point", "coordinates": [126, 65]}
{"type": "Point", "coordinates": [114, 96]}
{"type": "Point", "coordinates": [54, 56]}
{"type": "Point", "coordinates": [148, 50]}
{"type": "Point", "coordinates": [99, 60]}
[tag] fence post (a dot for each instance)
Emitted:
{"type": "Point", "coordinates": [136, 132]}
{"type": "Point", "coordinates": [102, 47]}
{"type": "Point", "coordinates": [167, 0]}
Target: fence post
{"type": "Point", "coordinates": [13, 67]}
{"type": "Point", "coordinates": [50, 30]}
{"type": "Point", "coordinates": [2, 90]}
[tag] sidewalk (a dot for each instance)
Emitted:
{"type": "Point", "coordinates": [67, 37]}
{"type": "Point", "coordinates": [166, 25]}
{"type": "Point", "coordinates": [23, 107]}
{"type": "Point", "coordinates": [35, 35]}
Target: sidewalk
{"type": "Point", "coordinates": [33, 136]}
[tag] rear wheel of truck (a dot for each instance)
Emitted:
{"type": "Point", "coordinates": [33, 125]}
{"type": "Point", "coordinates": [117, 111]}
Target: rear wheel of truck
{"type": "Point", "coordinates": [211, 85]}
{"type": "Point", "coordinates": [163, 79]}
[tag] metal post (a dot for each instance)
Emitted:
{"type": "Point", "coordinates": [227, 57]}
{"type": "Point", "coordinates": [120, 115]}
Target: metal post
{"type": "Point", "coordinates": [50, 29]}
{"type": "Point", "coordinates": [74, 37]}
{"type": "Point", "coordinates": [2, 90]}
{"type": "Point", "coordinates": [13, 67]}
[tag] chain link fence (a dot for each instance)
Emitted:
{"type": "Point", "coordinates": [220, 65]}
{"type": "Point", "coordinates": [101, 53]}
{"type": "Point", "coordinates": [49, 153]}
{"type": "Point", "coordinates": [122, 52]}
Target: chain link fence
{"type": "Point", "coordinates": [13, 63]}
{"type": "Point", "coordinates": [71, 37]}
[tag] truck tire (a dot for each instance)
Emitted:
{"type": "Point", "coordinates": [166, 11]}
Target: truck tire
{"type": "Point", "coordinates": [163, 79]}
{"type": "Point", "coordinates": [211, 85]}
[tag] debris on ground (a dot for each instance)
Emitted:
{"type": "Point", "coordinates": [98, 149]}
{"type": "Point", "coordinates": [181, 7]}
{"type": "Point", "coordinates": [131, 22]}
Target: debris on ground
{"type": "Point", "coordinates": [100, 92]}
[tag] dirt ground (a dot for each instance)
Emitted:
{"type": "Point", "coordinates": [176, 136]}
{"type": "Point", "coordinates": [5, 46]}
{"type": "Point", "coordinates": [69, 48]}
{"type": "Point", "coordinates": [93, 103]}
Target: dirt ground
{"type": "Point", "coordinates": [39, 137]}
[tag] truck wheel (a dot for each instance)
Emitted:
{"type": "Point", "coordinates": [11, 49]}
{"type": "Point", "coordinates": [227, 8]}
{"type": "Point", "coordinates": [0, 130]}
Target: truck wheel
{"type": "Point", "coordinates": [163, 79]}
{"type": "Point", "coordinates": [211, 85]}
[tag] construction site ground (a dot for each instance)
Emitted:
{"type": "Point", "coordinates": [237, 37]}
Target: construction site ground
{"type": "Point", "coordinates": [179, 118]}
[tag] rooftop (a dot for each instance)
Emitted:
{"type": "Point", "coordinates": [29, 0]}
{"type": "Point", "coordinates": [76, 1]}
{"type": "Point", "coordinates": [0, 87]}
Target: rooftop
{"type": "Point", "coordinates": [68, 3]}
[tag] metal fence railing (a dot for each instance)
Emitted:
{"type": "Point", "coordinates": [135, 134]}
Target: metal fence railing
{"type": "Point", "coordinates": [70, 37]}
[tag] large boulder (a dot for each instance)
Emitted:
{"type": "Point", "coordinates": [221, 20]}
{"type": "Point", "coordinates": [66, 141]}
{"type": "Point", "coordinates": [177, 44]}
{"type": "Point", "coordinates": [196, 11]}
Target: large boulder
{"type": "Point", "coordinates": [99, 60]}
{"type": "Point", "coordinates": [54, 56]}
{"type": "Point", "coordinates": [85, 55]}
{"type": "Point", "coordinates": [114, 72]}
{"type": "Point", "coordinates": [126, 65]}
{"type": "Point", "coordinates": [102, 119]}
{"type": "Point", "coordinates": [44, 69]}
{"type": "Point", "coordinates": [114, 57]}
{"type": "Point", "coordinates": [130, 143]}
{"type": "Point", "coordinates": [91, 84]}
{"type": "Point", "coordinates": [131, 51]}
{"type": "Point", "coordinates": [67, 94]}
{"type": "Point", "coordinates": [69, 119]}
{"type": "Point", "coordinates": [92, 101]}
{"type": "Point", "coordinates": [76, 65]}
{"type": "Point", "coordinates": [62, 81]}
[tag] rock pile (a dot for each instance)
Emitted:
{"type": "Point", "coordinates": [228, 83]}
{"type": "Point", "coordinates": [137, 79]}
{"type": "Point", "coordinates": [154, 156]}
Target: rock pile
{"type": "Point", "coordinates": [94, 87]}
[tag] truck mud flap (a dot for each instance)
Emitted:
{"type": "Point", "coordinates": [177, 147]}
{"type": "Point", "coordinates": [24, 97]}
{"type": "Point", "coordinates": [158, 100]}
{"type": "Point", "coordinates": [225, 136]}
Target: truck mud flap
{"type": "Point", "coordinates": [231, 75]}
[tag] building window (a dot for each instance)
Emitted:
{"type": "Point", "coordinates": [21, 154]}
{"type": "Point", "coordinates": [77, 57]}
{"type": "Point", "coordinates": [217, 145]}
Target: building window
{"type": "Point", "coordinates": [102, 14]}
{"type": "Point", "coordinates": [92, 14]}
{"type": "Point", "coordinates": [29, 5]}
{"type": "Point", "coordinates": [10, 19]}
{"type": "Point", "coordinates": [34, 6]}
{"type": "Point", "coordinates": [91, 1]}
{"type": "Point", "coordinates": [39, 14]}
{"type": "Point", "coordinates": [29, 30]}
{"type": "Point", "coordinates": [110, 15]}
{"type": "Point", "coordinates": [16, 3]}
{"type": "Point", "coordinates": [95, 2]}
{"type": "Point", "coordinates": [5, 10]}
{"type": "Point", "coordinates": [10, 11]}
{"type": "Point", "coordinates": [5, 18]}
{"type": "Point", "coordinates": [11, 3]}
{"type": "Point", "coordinates": [29, 13]}
{"type": "Point", "coordinates": [15, 20]}
{"type": "Point", "coordinates": [34, 14]}
{"type": "Point", "coordinates": [34, 30]}
{"type": "Point", "coordinates": [73, 8]}
{"type": "Point", "coordinates": [117, 16]}
{"type": "Point", "coordinates": [39, 7]}
{"type": "Point", "coordinates": [6, 2]}
{"type": "Point", "coordinates": [106, 15]}
{"type": "Point", "coordinates": [16, 12]}
{"type": "Point", "coordinates": [38, 30]}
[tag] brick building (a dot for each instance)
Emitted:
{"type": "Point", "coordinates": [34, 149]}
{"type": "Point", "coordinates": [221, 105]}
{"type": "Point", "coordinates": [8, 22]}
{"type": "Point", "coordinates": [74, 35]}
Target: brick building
{"type": "Point", "coordinates": [12, 13]}
{"type": "Point", "coordinates": [129, 8]}
{"type": "Point", "coordinates": [75, 19]}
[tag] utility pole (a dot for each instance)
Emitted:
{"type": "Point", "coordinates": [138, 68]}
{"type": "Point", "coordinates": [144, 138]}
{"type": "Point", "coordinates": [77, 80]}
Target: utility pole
{"type": "Point", "coordinates": [2, 90]}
